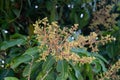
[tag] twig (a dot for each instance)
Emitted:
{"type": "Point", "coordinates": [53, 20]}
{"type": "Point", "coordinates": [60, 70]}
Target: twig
{"type": "Point", "coordinates": [30, 67]}
{"type": "Point", "coordinates": [46, 74]}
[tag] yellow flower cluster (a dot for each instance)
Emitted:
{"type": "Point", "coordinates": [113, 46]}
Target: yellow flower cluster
{"type": "Point", "coordinates": [55, 40]}
{"type": "Point", "coordinates": [102, 19]}
{"type": "Point", "coordinates": [111, 73]}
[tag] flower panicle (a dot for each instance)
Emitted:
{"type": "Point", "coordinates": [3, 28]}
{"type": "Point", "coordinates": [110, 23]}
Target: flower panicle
{"type": "Point", "coordinates": [56, 41]}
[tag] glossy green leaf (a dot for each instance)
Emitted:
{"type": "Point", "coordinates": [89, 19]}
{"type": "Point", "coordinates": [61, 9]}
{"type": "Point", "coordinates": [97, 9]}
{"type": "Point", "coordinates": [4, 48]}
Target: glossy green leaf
{"type": "Point", "coordinates": [17, 35]}
{"type": "Point", "coordinates": [71, 75]}
{"type": "Point", "coordinates": [100, 57]}
{"type": "Point", "coordinates": [16, 12]}
{"type": "Point", "coordinates": [34, 67]}
{"type": "Point", "coordinates": [29, 2]}
{"type": "Point", "coordinates": [78, 74]}
{"type": "Point", "coordinates": [11, 78]}
{"type": "Point", "coordinates": [28, 55]}
{"type": "Point", "coordinates": [46, 68]}
{"type": "Point", "coordinates": [103, 65]}
{"type": "Point", "coordinates": [48, 64]}
{"type": "Point", "coordinates": [96, 66]}
{"type": "Point", "coordinates": [7, 44]}
{"type": "Point", "coordinates": [51, 76]}
{"type": "Point", "coordinates": [62, 69]}
{"type": "Point", "coordinates": [77, 71]}
{"type": "Point", "coordinates": [111, 50]}
{"type": "Point", "coordinates": [89, 72]}
{"type": "Point", "coordinates": [40, 75]}
{"type": "Point", "coordinates": [21, 59]}
{"type": "Point", "coordinates": [81, 51]}
{"type": "Point", "coordinates": [31, 51]}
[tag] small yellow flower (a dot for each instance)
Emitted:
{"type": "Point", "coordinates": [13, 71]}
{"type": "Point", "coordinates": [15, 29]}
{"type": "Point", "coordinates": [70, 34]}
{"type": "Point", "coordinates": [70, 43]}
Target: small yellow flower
{"type": "Point", "coordinates": [56, 42]}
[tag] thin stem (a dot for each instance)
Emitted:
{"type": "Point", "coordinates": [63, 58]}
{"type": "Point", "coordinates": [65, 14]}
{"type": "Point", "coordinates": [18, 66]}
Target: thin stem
{"type": "Point", "coordinates": [46, 74]}
{"type": "Point", "coordinates": [30, 67]}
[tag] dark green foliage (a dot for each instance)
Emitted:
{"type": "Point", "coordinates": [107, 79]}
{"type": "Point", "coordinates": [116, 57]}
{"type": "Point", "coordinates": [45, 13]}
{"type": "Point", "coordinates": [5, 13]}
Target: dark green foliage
{"type": "Point", "coordinates": [18, 46]}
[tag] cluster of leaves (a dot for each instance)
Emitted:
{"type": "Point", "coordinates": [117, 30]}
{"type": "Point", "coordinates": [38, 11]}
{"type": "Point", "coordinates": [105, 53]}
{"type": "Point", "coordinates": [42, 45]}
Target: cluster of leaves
{"type": "Point", "coordinates": [21, 57]}
{"type": "Point", "coordinates": [17, 15]}
{"type": "Point", "coordinates": [51, 69]}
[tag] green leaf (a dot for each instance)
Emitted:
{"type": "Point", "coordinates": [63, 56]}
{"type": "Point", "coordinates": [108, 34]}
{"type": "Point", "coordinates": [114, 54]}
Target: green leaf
{"type": "Point", "coordinates": [103, 65]}
{"type": "Point", "coordinates": [17, 35]}
{"type": "Point", "coordinates": [111, 50]}
{"type": "Point", "coordinates": [46, 68]}
{"type": "Point", "coordinates": [48, 64]}
{"type": "Point", "coordinates": [34, 67]}
{"type": "Point", "coordinates": [40, 75]}
{"type": "Point", "coordinates": [11, 78]}
{"type": "Point", "coordinates": [16, 12]}
{"type": "Point", "coordinates": [51, 76]}
{"type": "Point", "coordinates": [97, 66]}
{"type": "Point", "coordinates": [89, 72]}
{"type": "Point", "coordinates": [78, 74]}
{"type": "Point", "coordinates": [21, 59]}
{"type": "Point", "coordinates": [81, 51]}
{"type": "Point", "coordinates": [7, 44]}
{"type": "Point", "coordinates": [29, 2]}
{"type": "Point", "coordinates": [62, 69]}
{"type": "Point", "coordinates": [27, 56]}
{"type": "Point", "coordinates": [100, 57]}
{"type": "Point", "coordinates": [26, 71]}
{"type": "Point", "coordinates": [71, 75]}
{"type": "Point", "coordinates": [31, 51]}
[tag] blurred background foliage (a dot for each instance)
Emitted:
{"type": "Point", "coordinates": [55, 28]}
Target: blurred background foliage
{"type": "Point", "coordinates": [18, 43]}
